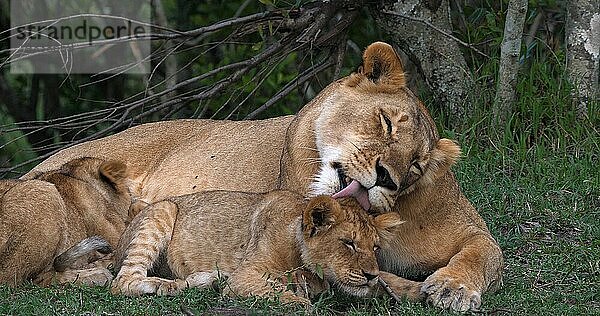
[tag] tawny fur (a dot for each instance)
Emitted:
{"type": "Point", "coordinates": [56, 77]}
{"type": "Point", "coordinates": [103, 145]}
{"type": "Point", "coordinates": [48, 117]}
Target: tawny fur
{"type": "Point", "coordinates": [43, 217]}
{"type": "Point", "coordinates": [364, 120]}
{"type": "Point", "coordinates": [258, 240]}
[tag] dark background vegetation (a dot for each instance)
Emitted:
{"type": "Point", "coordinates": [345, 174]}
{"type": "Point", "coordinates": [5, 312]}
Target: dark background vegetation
{"type": "Point", "coordinates": [535, 180]}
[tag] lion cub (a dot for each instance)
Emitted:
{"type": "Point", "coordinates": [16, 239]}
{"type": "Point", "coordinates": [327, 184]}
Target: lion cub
{"type": "Point", "coordinates": [43, 217]}
{"type": "Point", "coordinates": [257, 240]}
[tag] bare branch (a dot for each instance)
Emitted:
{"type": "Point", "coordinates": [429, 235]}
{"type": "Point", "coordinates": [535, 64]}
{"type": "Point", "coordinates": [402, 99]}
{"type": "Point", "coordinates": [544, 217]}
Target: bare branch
{"type": "Point", "coordinates": [299, 80]}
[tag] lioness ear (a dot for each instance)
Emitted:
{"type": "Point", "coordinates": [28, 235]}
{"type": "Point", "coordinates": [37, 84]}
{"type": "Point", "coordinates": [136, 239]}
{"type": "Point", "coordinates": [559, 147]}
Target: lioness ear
{"type": "Point", "coordinates": [387, 221]}
{"type": "Point", "coordinates": [382, 65]}
{"type": "Point", "coordinates": [320, 214]}
{"type": "Point", "coordinates": [114, 173]}
{"type": "Point", "coordinates": [443, 156]}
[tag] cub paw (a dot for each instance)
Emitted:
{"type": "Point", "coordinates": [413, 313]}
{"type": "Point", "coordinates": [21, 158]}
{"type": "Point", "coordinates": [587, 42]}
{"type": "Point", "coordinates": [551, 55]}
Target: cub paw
{"type": "Point", "coordinates": [88, 277]}
{"type": "Point", "coordinates": [94, 277]}
{"type": "Point", "coordinates": [168, 287]}
{"type": "Point", "coordinates": [290, 298]}
{"type": "Point", "coordinates": [449, 293]}
{"type": "Point", "coordinates": [305, 284]}
{"type": "Point", "coordinates": [134, 286]}
{"type": "Point", "coordinates": [205, 279]}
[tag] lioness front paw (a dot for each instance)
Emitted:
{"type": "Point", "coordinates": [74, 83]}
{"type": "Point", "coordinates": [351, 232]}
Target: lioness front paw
{"type": "Point", "coordinates": [448, 293]}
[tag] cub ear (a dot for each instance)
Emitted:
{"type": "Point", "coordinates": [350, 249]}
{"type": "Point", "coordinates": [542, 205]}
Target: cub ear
{"type": "Point", "coordinates": [443, 156]}
{"type": "Point", "coordinates": [136, 207]}
{"type": "Point", "coordinates": [114, 173]}
{"type": "Point", "coordinates": [382, 65]}
{"type": "Point", "coordinates": [321, 213]}
{"type": "Point", "coordinates": [387, 221]}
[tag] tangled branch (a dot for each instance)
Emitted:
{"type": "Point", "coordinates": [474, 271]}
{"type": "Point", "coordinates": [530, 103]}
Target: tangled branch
{"type": "Point", "coordinates": [314, 32]}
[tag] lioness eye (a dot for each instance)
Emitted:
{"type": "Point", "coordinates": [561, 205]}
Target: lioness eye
{"type": "Point", "coordinates": [388, 124]}
{"type": "Point", "coordinates": [349, 243]}
{"type": "Point", "coordinates": [375, 248]}
{"type": "Point", "coordinates": [416, 168]}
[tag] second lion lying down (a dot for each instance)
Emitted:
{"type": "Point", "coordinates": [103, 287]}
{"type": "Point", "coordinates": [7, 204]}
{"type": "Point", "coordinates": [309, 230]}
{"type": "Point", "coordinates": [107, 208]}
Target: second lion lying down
{"type": "Point", "coordinates": [255, 239]}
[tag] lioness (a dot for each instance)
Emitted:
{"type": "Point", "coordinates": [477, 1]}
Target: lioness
{"type": "Point", "coordinates": [255, 239]}
{"type": "Point", "coordinates": [43, 217]}
{"type": "Point", "coordinates": [365, 135]}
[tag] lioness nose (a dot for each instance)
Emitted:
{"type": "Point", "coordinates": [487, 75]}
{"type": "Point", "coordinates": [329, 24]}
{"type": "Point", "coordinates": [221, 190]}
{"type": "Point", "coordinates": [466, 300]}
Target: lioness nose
{"type": "Point", "coordinates": [383, 178]}
{"type": "Point", "coordinates": [370, 275]}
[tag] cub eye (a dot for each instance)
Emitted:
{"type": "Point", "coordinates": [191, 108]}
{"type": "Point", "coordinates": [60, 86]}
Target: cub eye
{"type": "Point", "coordinates": [349, 243]}
{"type": "Point", "coordinates": [375, 248]}
{"type": "Point", "coordinates": [416, 168]}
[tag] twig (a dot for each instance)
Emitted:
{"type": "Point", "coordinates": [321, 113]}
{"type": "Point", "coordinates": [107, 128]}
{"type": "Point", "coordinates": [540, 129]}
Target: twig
{"type": "Point", "coordinates": [290, 86]}
{"type": "Point", "coordinates": [388, 289]}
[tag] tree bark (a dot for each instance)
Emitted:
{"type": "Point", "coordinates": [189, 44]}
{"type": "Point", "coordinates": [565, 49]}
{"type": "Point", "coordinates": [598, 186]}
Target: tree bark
{"type": "Point", "coordinates": [583, 51]}
{"type": "Point", "coordinates": [436, 55]}
{"type": "Point", "coordinates": [506, 93]}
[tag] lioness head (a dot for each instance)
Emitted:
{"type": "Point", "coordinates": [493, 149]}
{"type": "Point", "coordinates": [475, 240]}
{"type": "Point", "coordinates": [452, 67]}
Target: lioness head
{"type": "Point", "coordinates": [375, 138]}
{"type": "Point", "coordinates": [339, 240]}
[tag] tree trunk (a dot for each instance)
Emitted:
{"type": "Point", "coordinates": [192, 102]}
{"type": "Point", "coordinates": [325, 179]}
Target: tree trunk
{"type": "Point", "coordinates": [506, 94]}
{"type": "Point", "coordinates": [583, 51]}
{"type": "Point", "coordinates": [436, 55]}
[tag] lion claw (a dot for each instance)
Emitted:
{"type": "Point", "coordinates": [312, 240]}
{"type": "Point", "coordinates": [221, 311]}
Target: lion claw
{"type": "Point", "coordinates": [448, 293]}
{"type": "Point", "coordinates": [171, 287]}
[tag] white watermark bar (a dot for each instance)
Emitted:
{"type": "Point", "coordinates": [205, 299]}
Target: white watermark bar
{"type": "Point", "coordinates": [80, 36]}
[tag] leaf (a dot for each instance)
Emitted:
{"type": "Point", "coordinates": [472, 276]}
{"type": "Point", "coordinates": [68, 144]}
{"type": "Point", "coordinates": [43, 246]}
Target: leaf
{"type": "Point", "coordinates": [261, 31]}
{"type": "Point", "coordinates": [267, 2]}
{"type": "Point", "coordinates": [289, 285]}
{"type": "Point", "coordinates": [257, 46]}
{"type": "Point", "coordinates": [319, 271]}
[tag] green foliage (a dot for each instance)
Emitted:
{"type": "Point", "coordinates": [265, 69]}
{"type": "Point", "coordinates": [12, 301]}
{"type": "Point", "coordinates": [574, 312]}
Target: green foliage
{"type": "Point", "coordinates": [17, 148]}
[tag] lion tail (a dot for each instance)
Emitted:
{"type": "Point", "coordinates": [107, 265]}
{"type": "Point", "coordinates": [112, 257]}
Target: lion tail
{"type": "Point", "coordinates": [83, 249]}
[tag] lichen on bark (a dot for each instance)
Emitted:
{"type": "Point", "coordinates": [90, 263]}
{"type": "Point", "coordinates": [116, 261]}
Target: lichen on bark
{"type": "Point", "coordinates": [583, 52]}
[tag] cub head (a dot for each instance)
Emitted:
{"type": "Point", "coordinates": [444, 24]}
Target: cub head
{"type": "Point", "coordinates": [375, 138]}
{"type": "Point", "coordinates": [93, 183]}
{"type": "Point", "coordinates": [339, 239]}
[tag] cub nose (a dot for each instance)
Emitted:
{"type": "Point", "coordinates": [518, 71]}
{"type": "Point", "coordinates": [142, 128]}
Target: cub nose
{"type": "Point", "coordinates": [370, 275]}
{"type": "Point", "coordinates": [383, 177]}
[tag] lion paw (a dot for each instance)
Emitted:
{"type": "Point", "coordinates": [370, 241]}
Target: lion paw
{"type": "Point", "coordinates": [290, 298]}
{"type": "Point", "coordinates": [449, 293]}
{"type": "Point", "coordinates": [305, 284]}
{"type": "Point", "coordinates": [171, 287]}
{"type": "Point", "coordinates": [88, 277]}
{"type": "Point", "coordinates": [146, 285]}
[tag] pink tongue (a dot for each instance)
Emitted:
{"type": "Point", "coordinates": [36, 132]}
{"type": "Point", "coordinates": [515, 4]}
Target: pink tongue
{"type": "Point", "coordinates": [356, 190]}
